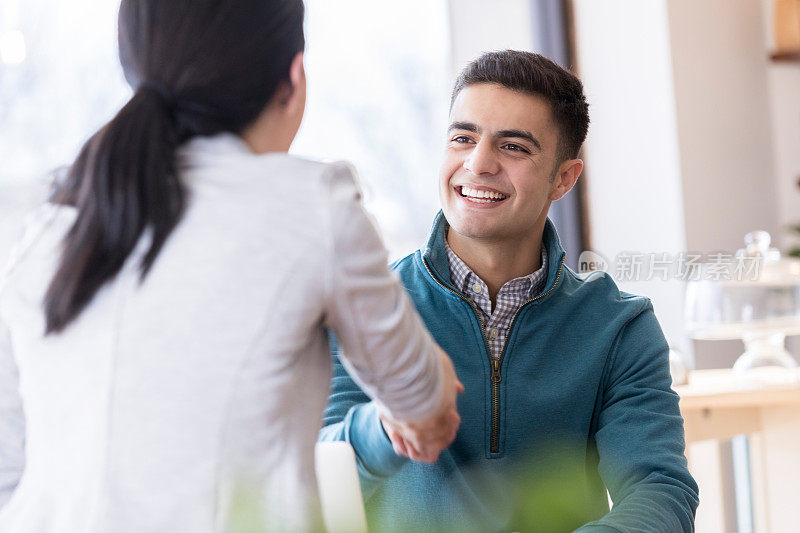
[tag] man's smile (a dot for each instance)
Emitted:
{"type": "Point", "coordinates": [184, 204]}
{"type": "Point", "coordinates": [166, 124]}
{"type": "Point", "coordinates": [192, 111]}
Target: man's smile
{"type": "Point", "coordinates": [479, 194]}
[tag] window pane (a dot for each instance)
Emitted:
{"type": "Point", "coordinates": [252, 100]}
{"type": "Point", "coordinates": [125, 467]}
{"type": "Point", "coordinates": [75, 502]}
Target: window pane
{"type": "Point", "coordinates": [60, 80]}
{"type": "Point", "coordinates": [378, 89]}
{"type": "Point", "coordinates": [67, 86]}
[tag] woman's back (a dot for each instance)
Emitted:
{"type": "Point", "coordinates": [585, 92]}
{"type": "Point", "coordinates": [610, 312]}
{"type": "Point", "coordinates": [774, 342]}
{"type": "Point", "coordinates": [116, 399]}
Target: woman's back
{"type": "Point", "coordinates": [168, 399]}
{"type": "Point", "coordinates": [163, 327]}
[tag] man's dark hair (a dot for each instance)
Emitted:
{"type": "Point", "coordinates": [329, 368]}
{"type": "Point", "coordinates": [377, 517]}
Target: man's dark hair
{"type": "Point", "coordinates": [535, 74]}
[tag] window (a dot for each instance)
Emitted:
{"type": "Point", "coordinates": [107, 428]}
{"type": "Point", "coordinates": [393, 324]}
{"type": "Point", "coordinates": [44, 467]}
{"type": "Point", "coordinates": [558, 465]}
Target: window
{"type": "Point", "coordinates": [378, 94]}
{"type": "Point", "coordinates": [60, 80]}
{"type": "Point", "coordinates": [378, 88]}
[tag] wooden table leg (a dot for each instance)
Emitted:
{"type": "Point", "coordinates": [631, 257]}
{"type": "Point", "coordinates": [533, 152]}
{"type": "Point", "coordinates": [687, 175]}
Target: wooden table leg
{"type": "Point", "coordinates": [705, 464]}
{"type": "Point", "coordinates": [775, 470]}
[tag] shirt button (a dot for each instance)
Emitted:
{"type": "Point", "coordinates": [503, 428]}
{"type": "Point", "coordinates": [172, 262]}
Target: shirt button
{"type": "Point", "coordinates": [494, 333]}
{"type": "Point", "coordinates": [477, 287]}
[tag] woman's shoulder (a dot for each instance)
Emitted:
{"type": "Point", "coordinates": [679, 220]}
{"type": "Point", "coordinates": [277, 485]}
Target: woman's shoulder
{"type": "Point", "coordinates": [228, 156]}
{"type": "Point", "coordinates": [324, 168]}
{"type": "Point", "coordinates": [330, 178]}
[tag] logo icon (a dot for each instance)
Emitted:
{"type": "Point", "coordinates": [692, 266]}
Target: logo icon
{"type": "Point", "coordinates": [590, 261]}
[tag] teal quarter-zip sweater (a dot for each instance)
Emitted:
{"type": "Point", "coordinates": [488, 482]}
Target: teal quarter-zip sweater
{"type": "Point", "coordinates": [579, 402]}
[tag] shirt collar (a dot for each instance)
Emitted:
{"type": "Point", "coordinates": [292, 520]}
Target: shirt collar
{"type": "Point", "coordinates": [434, 258]}
{"type": "Point", "coordinates": [463, 277]}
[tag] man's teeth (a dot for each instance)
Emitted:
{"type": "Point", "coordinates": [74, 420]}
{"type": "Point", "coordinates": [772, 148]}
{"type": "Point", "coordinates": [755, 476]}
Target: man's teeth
{"type": "Point", "coordinates": [482, 196]}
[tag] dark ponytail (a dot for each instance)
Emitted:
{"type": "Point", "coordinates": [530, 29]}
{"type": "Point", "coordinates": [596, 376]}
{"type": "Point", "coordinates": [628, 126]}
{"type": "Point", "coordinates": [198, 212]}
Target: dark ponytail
{"type": "Point", "coordinates": [199, 67]}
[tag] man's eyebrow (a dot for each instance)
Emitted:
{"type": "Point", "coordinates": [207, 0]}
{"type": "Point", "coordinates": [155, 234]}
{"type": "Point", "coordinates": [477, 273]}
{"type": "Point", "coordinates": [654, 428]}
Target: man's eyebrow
{"type": "Point", "coordinates": [466, 126]}
{"type": "Point", "coordinates": [520, 134]}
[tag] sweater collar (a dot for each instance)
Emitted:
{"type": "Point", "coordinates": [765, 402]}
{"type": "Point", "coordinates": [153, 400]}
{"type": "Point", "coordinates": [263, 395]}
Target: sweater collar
{"type": "Point", "coordinates": [435, 256]}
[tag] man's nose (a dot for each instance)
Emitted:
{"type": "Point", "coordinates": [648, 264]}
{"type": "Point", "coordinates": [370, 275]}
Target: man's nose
{"type": "Point", "coordinates": [482, 160]}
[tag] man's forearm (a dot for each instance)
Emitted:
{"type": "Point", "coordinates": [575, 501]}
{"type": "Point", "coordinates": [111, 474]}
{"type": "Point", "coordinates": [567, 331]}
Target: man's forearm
{"type": "Point", "coordinates": [376, 459]}
{"type": "Point", "coordinates": [659, 507]}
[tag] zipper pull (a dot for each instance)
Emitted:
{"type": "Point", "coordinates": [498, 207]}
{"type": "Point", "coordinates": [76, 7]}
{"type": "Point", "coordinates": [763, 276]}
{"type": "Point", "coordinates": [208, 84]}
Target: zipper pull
{"type": "Point", "coordinates": [496, 371]}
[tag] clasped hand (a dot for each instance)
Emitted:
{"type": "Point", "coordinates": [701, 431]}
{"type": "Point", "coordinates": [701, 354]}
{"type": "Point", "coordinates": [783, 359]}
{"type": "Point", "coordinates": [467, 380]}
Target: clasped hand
{"type": "Point", "coordinates": [424, 441]}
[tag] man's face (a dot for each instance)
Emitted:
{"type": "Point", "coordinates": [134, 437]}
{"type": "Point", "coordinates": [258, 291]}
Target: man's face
{"type": "Point", "coordinates": [501, 149]}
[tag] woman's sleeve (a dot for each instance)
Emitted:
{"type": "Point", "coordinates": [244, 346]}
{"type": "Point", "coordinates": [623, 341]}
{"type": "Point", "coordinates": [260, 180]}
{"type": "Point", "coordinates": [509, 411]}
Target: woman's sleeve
{"type": "Point", "coordinates": [385, 346]}
{"type": "Point", "coordinates": [12, 420]}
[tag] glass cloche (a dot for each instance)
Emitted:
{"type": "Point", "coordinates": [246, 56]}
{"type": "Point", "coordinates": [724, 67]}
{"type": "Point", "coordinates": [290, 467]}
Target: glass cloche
{"type": "Point", "coordinates": [754, 296]}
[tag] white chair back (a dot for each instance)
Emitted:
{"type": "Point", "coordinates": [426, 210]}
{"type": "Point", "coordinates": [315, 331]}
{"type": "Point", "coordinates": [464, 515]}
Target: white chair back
{"type": "Point", "coordinates": [339, 488]}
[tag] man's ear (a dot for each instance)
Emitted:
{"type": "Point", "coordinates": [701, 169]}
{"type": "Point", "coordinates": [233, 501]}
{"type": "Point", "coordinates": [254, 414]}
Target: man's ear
{"type": "Point", "coordinates": [566, 176]}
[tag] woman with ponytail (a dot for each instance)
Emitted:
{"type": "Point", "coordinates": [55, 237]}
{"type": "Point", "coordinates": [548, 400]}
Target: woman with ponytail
{"type": "Point", "coordinates": [164, 320]}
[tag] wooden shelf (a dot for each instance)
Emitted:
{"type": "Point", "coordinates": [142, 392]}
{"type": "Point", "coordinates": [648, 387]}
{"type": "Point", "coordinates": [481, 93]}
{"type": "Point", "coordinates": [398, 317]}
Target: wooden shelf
{"type": "Point", "coordinates": [786, 56]}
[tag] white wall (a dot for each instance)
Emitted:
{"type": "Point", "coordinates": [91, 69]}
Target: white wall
{"type": "Point", "coordinates": [478, 26]}
{"type": "Point", "coordinates": [720, 67]}
{"type": "Point", "coordinates": [723, 111]}
{"type": "Point", "coordinates": [694, 135]}
{"type": "Point", "coordinates": [634, 189]}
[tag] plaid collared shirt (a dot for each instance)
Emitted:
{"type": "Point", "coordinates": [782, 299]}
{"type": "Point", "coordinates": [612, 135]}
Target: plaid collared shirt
{"type": "Point", "coordinates": [512, 295]}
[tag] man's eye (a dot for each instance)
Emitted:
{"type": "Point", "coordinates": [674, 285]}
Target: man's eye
{"type": "Point", "coordinates": [516, 148]}
{"type": "Point", "coordinates": [462, 139]}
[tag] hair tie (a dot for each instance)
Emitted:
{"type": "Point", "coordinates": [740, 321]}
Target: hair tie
{"type": "Point", "coordinates": [163, 93]}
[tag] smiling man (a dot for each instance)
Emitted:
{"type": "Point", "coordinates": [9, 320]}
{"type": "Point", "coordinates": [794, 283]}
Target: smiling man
{"type": "Point", "coordinates": [567, 378]}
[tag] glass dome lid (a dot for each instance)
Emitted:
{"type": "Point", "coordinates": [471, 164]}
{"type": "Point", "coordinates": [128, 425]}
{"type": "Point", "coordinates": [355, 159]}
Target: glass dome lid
{"type": "Point", "coordinates": [754, 292]}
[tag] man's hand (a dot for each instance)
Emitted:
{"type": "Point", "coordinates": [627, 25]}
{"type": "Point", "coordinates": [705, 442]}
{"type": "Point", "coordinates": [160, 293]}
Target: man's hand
{"type": "Point", "coordinates": [424, 441]}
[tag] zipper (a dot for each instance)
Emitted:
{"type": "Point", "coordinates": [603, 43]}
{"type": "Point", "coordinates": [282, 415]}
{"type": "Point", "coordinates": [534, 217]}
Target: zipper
{"type": "Point", "coordinates": [470, 302]}
{"type": "Point", "coordinates": [496, 364]}
{"type": "Point", "coordinates": [494, 442]}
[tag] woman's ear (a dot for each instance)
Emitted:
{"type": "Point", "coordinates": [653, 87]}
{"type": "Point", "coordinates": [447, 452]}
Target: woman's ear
{"type": "Point", "coordinates": [296, 96]}
{"type": "Point", "coordinates": [292, 90]}
{"type": "Point", "coordinates": [297, 72]}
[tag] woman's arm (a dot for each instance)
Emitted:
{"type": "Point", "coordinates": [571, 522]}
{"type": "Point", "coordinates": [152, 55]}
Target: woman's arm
{"type": "Point", "coordinates": [385, 346]}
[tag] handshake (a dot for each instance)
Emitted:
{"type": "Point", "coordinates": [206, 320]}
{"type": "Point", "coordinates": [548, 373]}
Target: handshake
{"type": "Point", "coordinates": [424, 441]}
